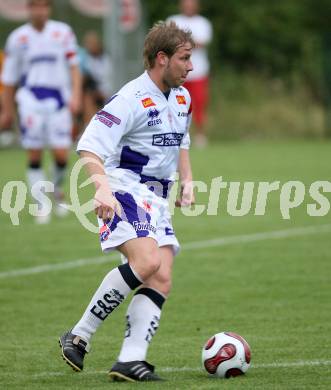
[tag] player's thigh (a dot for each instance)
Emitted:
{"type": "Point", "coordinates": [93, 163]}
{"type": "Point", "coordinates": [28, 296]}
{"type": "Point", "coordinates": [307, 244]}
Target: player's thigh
{"type": "Point", "coordinates": [59, 129]}
{"type": "Point", "coordinates": [161, 280]}
{"type": "Point", "coordinates": [32, 129]}
{"type": "Point", "coordinates": [143, 254]}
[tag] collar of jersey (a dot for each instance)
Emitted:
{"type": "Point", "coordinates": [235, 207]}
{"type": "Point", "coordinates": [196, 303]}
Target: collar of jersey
{"type": "Point", "coordinates": [152, 87]}
{"type": "Point", "coordinates": [41, 31]}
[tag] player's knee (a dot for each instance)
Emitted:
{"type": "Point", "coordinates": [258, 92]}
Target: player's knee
{"type": "Point", "coordinates": [152, 262]}
{"type": "Point", "coordinates": [146, 264]}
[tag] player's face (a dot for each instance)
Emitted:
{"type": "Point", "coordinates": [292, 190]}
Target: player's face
{"type": "Point", "coordinates": [189, 7]}
{"type": "Point", "coordinates": [178, 67]}
{"type": "Point", "coordinates": [39, 11]}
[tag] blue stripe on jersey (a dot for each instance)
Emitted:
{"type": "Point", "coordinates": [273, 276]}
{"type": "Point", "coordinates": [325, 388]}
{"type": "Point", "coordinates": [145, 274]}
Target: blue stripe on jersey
{"type": "Point", "coordinates": [44, 58]}
{"type": "Point", "coordinates": [42, 93]}
{"type": "Point", "coordinates": [134, 161]}
{"type": "Point", "coordinates": [161, 187]}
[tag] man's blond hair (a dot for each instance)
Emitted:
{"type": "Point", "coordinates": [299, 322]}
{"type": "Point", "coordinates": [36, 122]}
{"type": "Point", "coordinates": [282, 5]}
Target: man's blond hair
{"type": "Point", "coordinates": [166, 37]}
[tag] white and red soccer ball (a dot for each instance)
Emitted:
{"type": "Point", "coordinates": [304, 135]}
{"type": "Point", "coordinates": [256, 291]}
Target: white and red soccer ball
{"type": "Point", "coordinates": [225, 355]}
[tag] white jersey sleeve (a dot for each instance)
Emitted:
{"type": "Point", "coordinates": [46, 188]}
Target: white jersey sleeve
{"type": "Point", "coordinates": [106, 129]}
{"type": "Point", "coordinates": [203, 35]}
{"type": "Point", "coordinates": [71, 47]}
{"type": "Point", "coordinates": [186, 139]}
{"type": "Point", "coordinates": [11, 72]}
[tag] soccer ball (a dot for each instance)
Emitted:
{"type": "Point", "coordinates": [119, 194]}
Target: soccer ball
{"type": "Point", "coordinates": [226, 354]}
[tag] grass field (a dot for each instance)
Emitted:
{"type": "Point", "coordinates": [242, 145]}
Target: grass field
{"type": "Point", "coordinates": [272, 288]}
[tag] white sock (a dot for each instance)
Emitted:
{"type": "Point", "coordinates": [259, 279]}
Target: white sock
{"type": "Point", "coordinates": [143, 317]}
{"type": "Point", "coordinates": [114, 288]}
{"type": "Point", "coordinates": [59, 172]}
{"type": "Point", "coordinates": [35, 175]}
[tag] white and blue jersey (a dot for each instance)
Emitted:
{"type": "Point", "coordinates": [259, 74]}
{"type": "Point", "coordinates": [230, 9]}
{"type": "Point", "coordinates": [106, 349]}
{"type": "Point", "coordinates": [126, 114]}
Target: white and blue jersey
{"type": "Point", "coordinates": [38, 63]}
{"type": "Point", "coordinates": [138, 135]}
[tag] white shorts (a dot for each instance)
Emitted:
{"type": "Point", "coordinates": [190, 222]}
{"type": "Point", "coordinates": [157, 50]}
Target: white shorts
{"type": "Point", "coordinates": [144, 214]}
{"type": "Point", "coordinates": [41, 129]}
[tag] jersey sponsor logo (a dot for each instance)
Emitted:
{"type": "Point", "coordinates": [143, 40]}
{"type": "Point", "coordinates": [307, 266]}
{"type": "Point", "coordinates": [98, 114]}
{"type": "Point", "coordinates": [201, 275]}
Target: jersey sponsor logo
{"type": "Point", "coordinates": [154, 122]}
{"type": "Point", "coordinates": [138, 226]}
{"type": "Point", "coordinates": [167, 139]}
{"type": "Point", "coordinates": [106, 118]}
{"type": "Point", "coordinates": [153, 114]}
{"type": "Point", "coordinates": [104, 233]}
{"type": "Point", "coordinates": [183, 114]}
{"type": "Point", "coordinates": [148, 102]}
{"type": "Point", "coordinates": [181, 99]}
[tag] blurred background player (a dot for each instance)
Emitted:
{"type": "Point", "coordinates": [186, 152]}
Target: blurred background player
{"type": "Point", "coordinates": [96, 69]}
{"type": "Point", "coordinates": [7, 136]}
{"type": "Point", "coordinates": [41, 62]}
{"type": "Point", "coordinates": [197, 80]}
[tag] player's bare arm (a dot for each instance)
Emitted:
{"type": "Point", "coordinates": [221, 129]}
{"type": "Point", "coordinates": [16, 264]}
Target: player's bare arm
{"type": "Point", "coordinates": [185, 177]}
{"type": "Point", "coordinates": [76, 98]}
{"type": "Point", "coordinates": [8, 106]}
{"type": "Point", "coordinates": [105, 202]}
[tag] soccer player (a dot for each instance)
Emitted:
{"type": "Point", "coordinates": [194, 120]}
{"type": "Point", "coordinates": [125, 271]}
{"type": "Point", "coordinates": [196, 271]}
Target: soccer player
{"type": "Point", "coordinates": [96, 69]}
{"type": "Point", "coordinates": [132, 149]}
{"type": "Point", "coordinates": [41, 62]}
{"type": "Point", "coordinates": [198, 80]}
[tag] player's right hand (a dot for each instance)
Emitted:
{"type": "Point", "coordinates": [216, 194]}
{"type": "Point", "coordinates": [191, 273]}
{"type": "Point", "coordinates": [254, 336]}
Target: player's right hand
{"type": "Point", "coordinates": [186, 195]}
{"type": "Point", "coordinates": [6, 120]}
{"type": "Point", "coordinates": [106, 204]}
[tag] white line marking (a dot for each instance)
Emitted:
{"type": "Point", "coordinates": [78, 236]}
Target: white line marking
{"type": "Point", "coordinates": [276, 234]}
{"type": "Point", "coordinates": [279, 365]}
{"type": "Point", "coordinates": [239, 239]}
{"type": "Point", "coordinates": [60, 266]}
{"type": "Point", "coordinates": [300, 363]}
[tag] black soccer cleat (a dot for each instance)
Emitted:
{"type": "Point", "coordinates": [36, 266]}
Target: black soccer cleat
{"type": "Point", "coordinates": [135, 371]}
{"type": "Point", "coordinates": [73, 350]}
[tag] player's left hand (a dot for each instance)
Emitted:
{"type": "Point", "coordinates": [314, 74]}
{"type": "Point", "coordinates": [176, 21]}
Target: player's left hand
{"type": "Point", "coordinates": [186, 195]}
{"type": "Point", "coordinates": [6, 120]}
{"type": "Point", "coordinates": [75, 105]}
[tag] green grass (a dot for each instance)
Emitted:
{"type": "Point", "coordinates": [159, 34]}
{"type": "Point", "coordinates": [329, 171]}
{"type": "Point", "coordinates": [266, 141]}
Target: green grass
{"type": "Point", "coordinates": [253, 106]}
{"type": "Point", "coordinates": [274, 292]}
